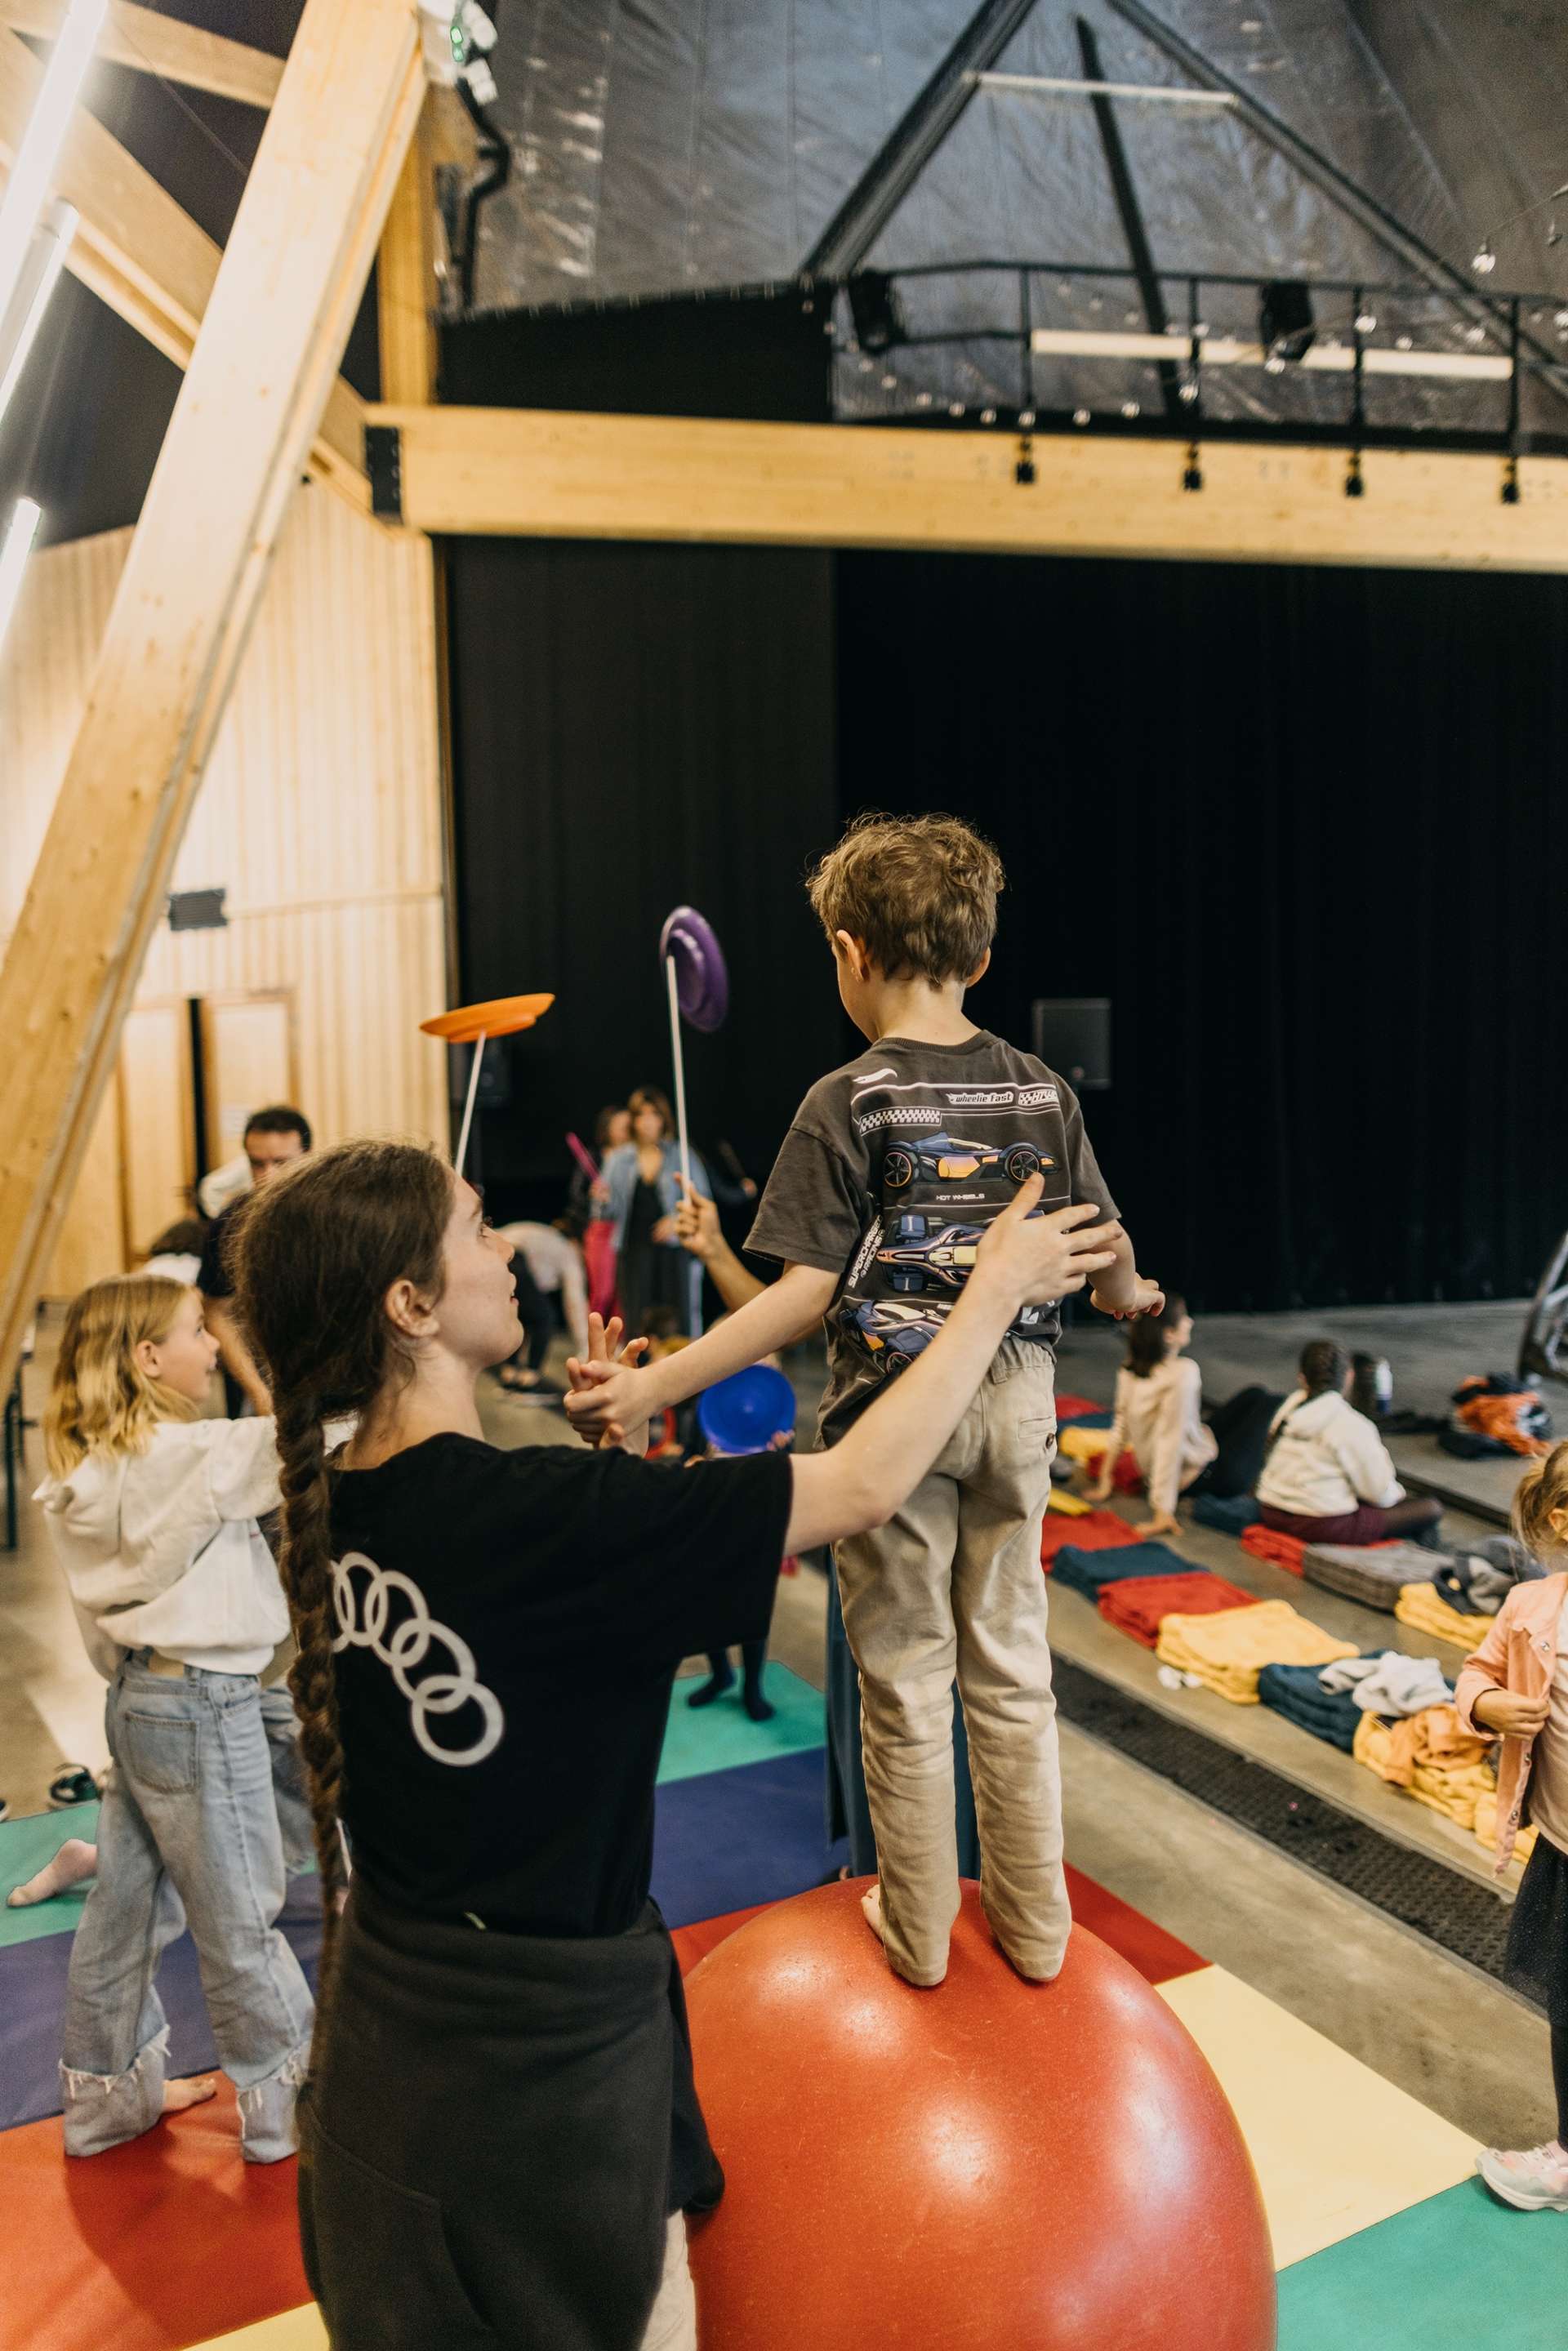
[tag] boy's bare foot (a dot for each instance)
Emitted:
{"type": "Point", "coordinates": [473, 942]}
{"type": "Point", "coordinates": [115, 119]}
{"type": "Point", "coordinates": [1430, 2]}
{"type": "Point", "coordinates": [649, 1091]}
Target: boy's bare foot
{"type": "Point", "coordinates": [178, 2095]}
{"type": "Point", "coordinates": [75, 1860]}
{"type": "Point", "coordinates": [871, 1904]}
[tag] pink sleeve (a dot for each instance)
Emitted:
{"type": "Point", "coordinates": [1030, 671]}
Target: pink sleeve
{"type": "Point", "coordinates": [1485, 1668]}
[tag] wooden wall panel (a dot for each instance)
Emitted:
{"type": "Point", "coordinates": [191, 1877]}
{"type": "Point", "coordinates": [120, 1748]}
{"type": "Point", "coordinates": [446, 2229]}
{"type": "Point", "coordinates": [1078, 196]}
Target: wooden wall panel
{"type": "Point", "coordinates": [320, 813]}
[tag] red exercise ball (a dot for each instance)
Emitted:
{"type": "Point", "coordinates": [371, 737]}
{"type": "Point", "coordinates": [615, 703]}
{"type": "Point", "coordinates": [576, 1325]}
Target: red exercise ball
{"type": "Point", "coordinates": [993, 2163]}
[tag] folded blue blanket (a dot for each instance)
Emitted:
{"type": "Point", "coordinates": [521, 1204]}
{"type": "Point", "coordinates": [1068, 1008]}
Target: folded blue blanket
{"type": "Point", "coordinates": [1086, 1571]}
{"type": "Point", "coordinates": [1296, 1692]}
{"type": "Point", "coordinates": [1231, 1518]}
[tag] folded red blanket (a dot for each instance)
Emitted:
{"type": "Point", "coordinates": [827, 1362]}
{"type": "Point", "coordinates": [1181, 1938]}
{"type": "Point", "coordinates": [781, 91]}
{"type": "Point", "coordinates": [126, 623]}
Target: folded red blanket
{"type": "Point", "coordinates": [1073, 1408]}
{"type": "Point", "coordinates": [1099, 1531]}
{"type": "Point", "coordinates": [1268, 1542]}
{"type": "Point", "coordinates": [1139, 1606]}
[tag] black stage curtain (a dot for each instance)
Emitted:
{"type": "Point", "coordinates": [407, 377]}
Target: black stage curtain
{"type": "Point", "coordinates": [1304, 828]}
{"type": "Point", "coordinates": [1307, 828]}
{"type": "Point", "coordinates": [636, 728]}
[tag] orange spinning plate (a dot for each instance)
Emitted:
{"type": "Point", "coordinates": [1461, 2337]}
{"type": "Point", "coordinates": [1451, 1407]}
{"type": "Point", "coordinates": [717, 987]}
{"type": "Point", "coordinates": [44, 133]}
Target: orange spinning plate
{"type": "Point", "coordinates": [502, 1016]}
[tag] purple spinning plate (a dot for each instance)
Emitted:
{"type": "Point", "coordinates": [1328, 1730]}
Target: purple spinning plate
{"type": "Point", "coordinates": [702, 983]}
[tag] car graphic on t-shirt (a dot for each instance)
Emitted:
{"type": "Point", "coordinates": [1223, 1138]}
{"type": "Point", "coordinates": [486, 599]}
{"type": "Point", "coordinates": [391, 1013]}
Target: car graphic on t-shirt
{"type": "Point", "coordinates": [892, 1334]}
{"type": "Point", "coordinates": [926, 1252]}
{"type": "Point", "coordinates": [948, 1159]}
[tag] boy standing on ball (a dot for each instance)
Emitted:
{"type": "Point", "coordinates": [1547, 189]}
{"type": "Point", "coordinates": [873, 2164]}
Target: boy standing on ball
{"type": "Point", "coordinates": [890, 1173]}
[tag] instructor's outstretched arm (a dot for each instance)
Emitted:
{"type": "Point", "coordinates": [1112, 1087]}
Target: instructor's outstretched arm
{"type": "Point", "coordinates": [1024, 1261]}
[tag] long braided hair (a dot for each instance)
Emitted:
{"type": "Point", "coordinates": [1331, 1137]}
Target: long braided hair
{"type": "Point", "coordinates": [316, 1250]}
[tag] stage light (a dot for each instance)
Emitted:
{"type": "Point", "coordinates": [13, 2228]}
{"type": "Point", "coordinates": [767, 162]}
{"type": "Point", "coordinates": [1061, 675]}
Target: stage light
{"type": "Point", "coordinates": [24, 314]}
{"type": "Point", "coordinates": [1130, 409]}
{"type": "Point", "coordinates": [1485, 261]}
{"type": "Point", "coordinates": [1190, 389]}
{"type": "Point", "coordinates": [1025, 419]}
{"type": "Point", "coordinates": [15, 550]}
{"type": "Point", "coordinates": [1080, 416]}
{"type": "Point", "coordinates": [955, 408]}
{"type": "Point", "coordinates": [27, 190]}
{"type": "Point", "coordinates": [1366, 322]}
{"type": "Point", "coordinates": [988, 415]}
{"type": "Point", "coordinates": [1274, 364]}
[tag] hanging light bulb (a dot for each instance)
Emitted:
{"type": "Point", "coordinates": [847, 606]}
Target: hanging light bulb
{"type": "Point", "coordinates": [1475, 335]}
{"type": "Point", "coordinates": [1404, 343]}
{"type": "Point", "coordinates": [1080, 416]}
{"type": "Point", "coordinates": [1130, 409]}
{"type": "Point", "coordinates": [1560, 319]}
{"type": "Point", "coordinates": [1190, 389]}
{"type": "Point", "coordinates": [1274, 364]}
{"type": "Point", "coordinates": [1025, 419]}
{"type": "Point", "coordinates": [890, 384]}
{"type": "Point", "coordinates": [923, 399]}
{"type": "Point", "coordinates": [1366, 322]}
{"type": "Point", "coordinates": [1485, 261]}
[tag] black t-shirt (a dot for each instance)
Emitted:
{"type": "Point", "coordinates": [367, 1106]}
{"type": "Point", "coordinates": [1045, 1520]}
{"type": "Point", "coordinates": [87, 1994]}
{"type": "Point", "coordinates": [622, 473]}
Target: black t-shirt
{"type": "Point", "coordinates": [891, 1171]}
{"type": "Point", "coordinates": [509, 1630]}
{"type": "Point", "coordinates": [215, 1277]}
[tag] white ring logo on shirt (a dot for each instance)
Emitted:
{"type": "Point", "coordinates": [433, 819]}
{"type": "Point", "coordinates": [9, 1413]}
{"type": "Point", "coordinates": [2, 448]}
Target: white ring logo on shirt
{"type": "Point", "coordinates": [362, 1614]}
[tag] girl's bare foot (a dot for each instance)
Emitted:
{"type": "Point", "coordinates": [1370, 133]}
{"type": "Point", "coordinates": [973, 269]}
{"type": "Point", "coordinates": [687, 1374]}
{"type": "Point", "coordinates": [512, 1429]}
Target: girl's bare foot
{"type": "Point", "coordinates": [178, 2095]}
{"type": "Point", "coordinates": [75, 1860]}
{"type": "Point", "coordinates": [871, 1904]}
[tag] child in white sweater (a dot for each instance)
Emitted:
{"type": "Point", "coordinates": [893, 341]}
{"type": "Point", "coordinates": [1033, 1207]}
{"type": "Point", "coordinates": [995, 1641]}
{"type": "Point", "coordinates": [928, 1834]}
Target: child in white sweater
{"type": "Point", "coordinates": [152, 1511]}
{"type": "Point", "coordinates": [1158, 1418]}
{"type": "Point", "coordinates": [1327, 1476]}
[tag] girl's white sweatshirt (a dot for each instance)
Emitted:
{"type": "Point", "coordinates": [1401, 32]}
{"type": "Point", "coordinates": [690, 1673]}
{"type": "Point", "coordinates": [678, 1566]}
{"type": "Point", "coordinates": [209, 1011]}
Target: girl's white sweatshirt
{"type": "Point", "coordinates": [1326, 1460]}
{"type": "Point", "coordinates": [162, 1549]}
{"type": "Point", "coordinates": [1159, 1418]}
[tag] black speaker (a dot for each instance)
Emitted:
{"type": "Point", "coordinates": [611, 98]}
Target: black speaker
{"type": "Point", "coordinates": [1285, 323]}
{"type": "Point", "coordinates": [1072, 1034]}
{"type": "Point", "coordinates": [876, 310]}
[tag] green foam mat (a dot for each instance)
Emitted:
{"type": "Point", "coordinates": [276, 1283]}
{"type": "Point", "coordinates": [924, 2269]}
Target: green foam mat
{"type": "Point", "coordinates": [25, 1846]}
{"type": "Point", "coordinates": [1458, 2268]}
{"type": "Point", "coordinates": [717, 1737]}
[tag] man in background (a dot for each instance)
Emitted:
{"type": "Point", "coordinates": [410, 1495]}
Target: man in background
{"type": "Point", "coordinates": [274, 1138]}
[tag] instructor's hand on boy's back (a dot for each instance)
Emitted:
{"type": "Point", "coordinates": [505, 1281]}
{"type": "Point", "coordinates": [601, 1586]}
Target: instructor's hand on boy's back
{"type": "Point", "coordinates": [1035, 1257]}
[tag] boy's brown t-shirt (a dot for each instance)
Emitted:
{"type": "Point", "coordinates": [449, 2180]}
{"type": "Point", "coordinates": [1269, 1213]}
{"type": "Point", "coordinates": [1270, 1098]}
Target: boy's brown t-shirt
{"type": "Point", "coordinates": [890, 1173]}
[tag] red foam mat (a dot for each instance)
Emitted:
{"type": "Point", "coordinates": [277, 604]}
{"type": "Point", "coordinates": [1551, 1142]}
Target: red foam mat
{"type": "Point", "coordinates": [154, 2246]}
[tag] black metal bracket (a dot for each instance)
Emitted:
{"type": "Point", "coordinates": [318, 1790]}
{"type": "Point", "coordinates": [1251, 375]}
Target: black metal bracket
{"type": "Point", "coordinates": [383, 462]}
{"type": "Point", "coordinates": [1130, 213]}
{"type": "Point", "coordinates": [913, 141]}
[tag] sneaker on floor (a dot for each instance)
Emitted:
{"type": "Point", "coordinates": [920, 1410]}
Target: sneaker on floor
{"type": "Point", "coordinates": [1532, 2178]}
{"type": "Point", "coordinates": [73, 1783]}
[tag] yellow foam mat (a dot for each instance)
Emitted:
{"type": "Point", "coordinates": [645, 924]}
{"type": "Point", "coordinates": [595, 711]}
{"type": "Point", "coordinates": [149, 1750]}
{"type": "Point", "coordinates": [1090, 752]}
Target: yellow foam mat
{"type": "Point", "coordinates": [297, 2330]}
{"type": "Point", "coordinates": [1336, 2148]}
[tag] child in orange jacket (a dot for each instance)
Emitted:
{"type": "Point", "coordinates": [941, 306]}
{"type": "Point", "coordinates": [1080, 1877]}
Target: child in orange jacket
{"type": "Point", "coordinates": [1515, 1686]}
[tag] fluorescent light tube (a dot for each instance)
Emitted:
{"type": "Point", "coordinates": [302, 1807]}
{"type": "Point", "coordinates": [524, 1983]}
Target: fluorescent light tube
{"type": "Point", "coordinates": [24, 315]}
{"type": "Point", "coordinates": [15, 550]}
{"type": "Point", "coordinates": [27, 189]}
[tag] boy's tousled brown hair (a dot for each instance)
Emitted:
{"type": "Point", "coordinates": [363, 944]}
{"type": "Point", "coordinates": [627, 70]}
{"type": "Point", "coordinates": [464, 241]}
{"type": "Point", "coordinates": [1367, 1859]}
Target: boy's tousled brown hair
{"type": "Point", "coordinates": [919, 892]}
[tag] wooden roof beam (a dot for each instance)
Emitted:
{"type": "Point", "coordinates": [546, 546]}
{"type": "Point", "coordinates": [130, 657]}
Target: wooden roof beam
{"type": "Point", "coordinates": [143, 255]}
{"type": "Point", "coordinates": [536, 472]}
{"type": "Point", "coordinates": [269, 350]}
{"type": "Point", "coordinates": [149, 43]}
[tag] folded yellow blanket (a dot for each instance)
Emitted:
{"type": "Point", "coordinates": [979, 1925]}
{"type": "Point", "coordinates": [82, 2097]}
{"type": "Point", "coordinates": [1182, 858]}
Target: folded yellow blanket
{"type": "Point", "coordinates": [1423, 1607]}
{"type": "Point", "coordinates": [1084, 1445]}
{"type": "Point", "coordinates": [1430, 1758]}
{"type": "Point", "coordinates": [1071, 1506]}
{"type": "Point", "coordinates": [1229, 1651]}
{"type": "Point", "coordinates": [1485, 1828]}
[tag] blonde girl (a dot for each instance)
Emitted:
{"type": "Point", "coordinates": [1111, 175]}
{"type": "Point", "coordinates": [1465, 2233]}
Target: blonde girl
{"type": "Point", "coordinates": [152, 1512]}
{"type": "Point", "coordinates": [1516, 1688]}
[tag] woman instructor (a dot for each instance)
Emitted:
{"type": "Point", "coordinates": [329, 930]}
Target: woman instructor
{"type": "Point", "coordinates": [500, 2137]}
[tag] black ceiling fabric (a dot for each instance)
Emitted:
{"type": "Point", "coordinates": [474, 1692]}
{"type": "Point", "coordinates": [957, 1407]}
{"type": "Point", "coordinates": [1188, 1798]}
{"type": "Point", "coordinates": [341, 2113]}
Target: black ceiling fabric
{"type": "Point", "coordinates": [1303, 828]}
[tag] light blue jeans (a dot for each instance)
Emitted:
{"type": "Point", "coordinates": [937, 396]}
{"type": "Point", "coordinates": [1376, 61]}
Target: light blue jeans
{"type": "Point", "coordinates": [190, 1830]}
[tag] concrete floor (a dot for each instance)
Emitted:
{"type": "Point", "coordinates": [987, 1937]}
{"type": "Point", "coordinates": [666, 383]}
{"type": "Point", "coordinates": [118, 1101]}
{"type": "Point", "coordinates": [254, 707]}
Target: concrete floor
{"type": "Point", "coordinates": [1451, 2037]}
